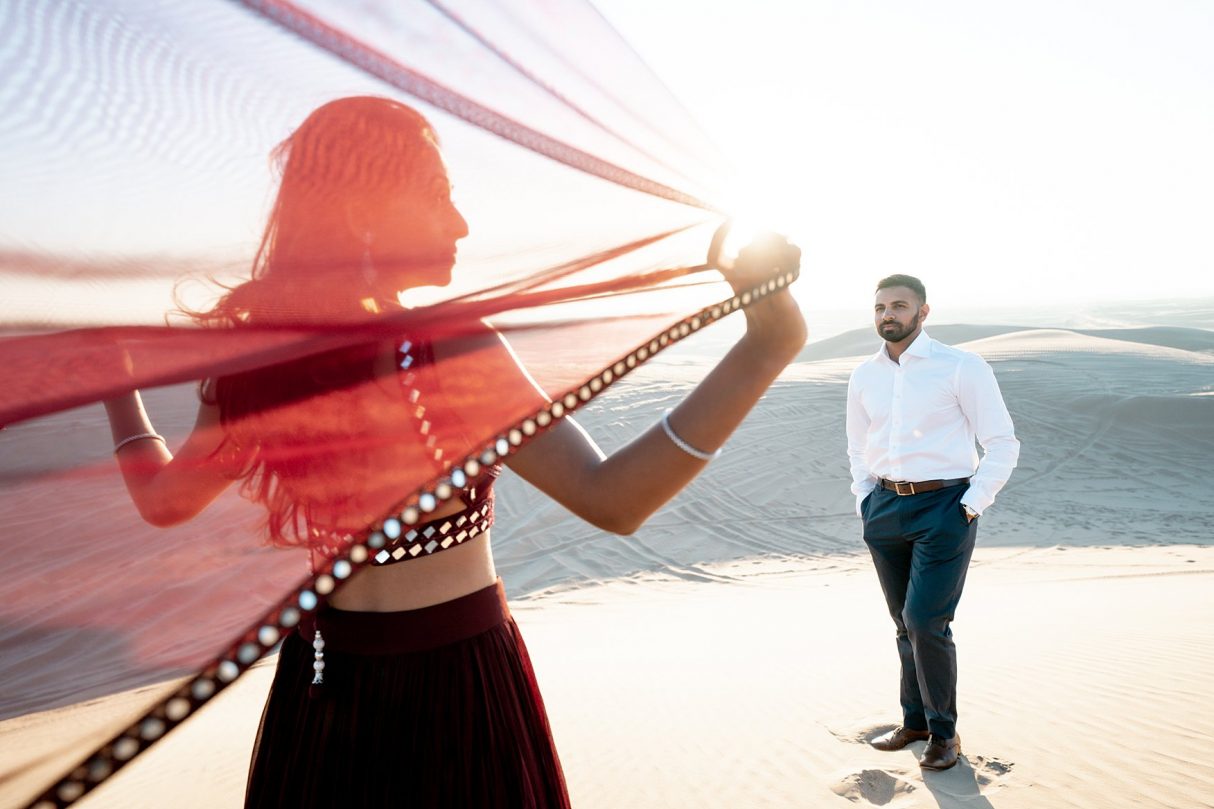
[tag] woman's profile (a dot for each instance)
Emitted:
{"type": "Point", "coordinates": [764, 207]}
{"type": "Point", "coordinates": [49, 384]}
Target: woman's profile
{"type": "Point", "coordinates": [411, 685]}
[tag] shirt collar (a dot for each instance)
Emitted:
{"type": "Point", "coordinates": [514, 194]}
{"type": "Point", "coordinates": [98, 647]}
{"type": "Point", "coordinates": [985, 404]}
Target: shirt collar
{"type": "Point", "coordinates": [921, 346]}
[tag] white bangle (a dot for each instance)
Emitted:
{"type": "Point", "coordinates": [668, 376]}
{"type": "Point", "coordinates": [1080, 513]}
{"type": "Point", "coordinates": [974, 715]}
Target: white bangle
{"type": "Point", "coordinates": [138, 437]}
{"type": "Point", "coordinates": [683, 445]}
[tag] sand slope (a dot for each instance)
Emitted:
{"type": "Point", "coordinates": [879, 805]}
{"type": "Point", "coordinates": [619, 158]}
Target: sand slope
{"type": "Point", "coordinates": [763, 691]}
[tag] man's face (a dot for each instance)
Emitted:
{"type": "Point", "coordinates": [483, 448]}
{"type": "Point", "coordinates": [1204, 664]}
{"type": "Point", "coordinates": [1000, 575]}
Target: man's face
{"type": "Point", "coordinates": [897, 313]}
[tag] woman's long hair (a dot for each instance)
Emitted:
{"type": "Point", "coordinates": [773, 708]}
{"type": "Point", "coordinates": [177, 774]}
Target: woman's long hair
{"type": "Point", "coordinates": [348, 153]}
{"type": "Point", "coordinates": [293, 428]}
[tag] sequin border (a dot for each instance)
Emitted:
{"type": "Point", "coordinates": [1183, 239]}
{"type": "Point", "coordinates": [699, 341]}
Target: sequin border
{"type": "Point", "coordinates": [262, 636]}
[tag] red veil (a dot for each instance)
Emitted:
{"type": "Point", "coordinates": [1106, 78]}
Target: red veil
{"type": "Point", "coordinates": [136, 182]}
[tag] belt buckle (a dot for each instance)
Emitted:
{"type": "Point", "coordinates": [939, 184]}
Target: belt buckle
{"type": "Point", "coordinates": [910, 488]}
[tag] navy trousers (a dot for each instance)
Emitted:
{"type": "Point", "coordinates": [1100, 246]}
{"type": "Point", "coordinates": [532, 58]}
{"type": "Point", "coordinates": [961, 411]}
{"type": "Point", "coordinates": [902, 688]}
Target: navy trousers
{"type": "Point", "coordinates": [921, 546]}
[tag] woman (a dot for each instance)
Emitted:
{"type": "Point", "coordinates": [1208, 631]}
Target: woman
{"type": "Point", "coordinates": [423, 691]}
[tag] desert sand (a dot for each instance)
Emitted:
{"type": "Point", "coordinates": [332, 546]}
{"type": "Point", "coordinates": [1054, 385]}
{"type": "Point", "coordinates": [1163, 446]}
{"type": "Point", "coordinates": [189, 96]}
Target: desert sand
{"type": "Point", "coordinates": [735, 652]}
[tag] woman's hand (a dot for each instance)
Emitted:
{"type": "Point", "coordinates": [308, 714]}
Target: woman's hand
{"type": "Point", "coordinates": [774, 324]}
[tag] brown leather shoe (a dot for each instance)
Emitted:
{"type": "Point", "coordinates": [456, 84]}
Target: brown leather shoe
{"type": "Point", "coordinates": [898, 738]}
{"type": "Point", "coordinates": [940, 753]}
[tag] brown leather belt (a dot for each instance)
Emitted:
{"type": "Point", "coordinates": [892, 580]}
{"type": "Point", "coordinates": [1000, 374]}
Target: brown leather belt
{"type": "Point", "coordinates": [903, 488]}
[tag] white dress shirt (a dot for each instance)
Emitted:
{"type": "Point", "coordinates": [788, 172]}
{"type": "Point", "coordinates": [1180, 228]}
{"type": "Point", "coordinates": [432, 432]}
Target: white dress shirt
{"type": "Point", "coordinates": [917, 420]}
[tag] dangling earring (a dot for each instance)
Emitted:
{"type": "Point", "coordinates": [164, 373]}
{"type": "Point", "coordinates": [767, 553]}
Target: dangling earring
{"type": "Point", "coordinates": [318, 666]}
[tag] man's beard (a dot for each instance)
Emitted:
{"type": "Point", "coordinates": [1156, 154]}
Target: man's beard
{"type": "Point", "coordinates": [899, 332]}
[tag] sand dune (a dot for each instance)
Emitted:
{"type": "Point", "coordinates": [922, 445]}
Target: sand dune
{"type": "Point", "coordinates": [1081, 687]}
{"type": "Point", "coordinates": [735, 651]}
{"type": "Point", "coordinates": [1116, 439]}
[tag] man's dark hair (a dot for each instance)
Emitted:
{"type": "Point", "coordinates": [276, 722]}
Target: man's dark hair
{"type": "Point", "coordinates": [909, 281]}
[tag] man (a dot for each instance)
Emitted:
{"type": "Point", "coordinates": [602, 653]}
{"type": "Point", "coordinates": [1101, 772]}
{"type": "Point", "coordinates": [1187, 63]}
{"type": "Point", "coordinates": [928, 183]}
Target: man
{"type": "Point", "coordinates": [914, 410]}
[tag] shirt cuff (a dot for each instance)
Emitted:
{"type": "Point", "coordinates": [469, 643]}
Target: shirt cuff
{"type": "Point", "coordinates": [976, 502]}
{"type": "Point", "coordinates": [860, 499]}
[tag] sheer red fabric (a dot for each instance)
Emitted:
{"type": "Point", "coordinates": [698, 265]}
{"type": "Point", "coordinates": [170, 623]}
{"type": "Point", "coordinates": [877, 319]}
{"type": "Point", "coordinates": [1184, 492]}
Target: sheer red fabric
{"type": "Point", "coordinates": [148, 154]}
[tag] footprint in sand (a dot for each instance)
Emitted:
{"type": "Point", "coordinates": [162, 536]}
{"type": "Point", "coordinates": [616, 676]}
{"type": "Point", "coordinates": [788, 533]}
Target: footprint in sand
{"type": "Point", "coordinates": [856, 733]}
{"type": "Point", "coordinates": [989, 770]}
{"type": "Point", "coordinates": [876, 787]}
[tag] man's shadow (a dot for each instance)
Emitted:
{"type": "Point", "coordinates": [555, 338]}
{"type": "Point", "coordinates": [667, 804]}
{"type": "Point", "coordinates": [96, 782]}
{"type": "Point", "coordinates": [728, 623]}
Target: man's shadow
{"type": "Point", "coordinates": [958, 787]}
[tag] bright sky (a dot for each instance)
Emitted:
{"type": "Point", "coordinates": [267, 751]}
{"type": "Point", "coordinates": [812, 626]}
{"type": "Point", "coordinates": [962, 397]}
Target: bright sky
{"type": "Point", "coordinates": [1041, 150]}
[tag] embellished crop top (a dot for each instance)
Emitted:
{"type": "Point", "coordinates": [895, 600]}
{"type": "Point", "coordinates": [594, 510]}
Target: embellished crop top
{"type": "Point", "coordinates": [443, 532]}
{"type": "Point", "coordinates": [396, 542]}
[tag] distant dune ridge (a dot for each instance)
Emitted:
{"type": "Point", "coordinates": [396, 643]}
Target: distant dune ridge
{"type": "Point", "coordinates": [865, 341]}
{"type": "Point", "coordinates": [735, 651]}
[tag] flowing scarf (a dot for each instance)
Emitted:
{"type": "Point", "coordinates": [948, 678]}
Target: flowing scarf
{"type": "Point", "coordinates": [137, 183]}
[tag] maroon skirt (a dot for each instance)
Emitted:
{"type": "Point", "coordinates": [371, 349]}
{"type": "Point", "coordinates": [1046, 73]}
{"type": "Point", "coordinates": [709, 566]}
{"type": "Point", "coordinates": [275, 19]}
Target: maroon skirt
{"type": "Point", "coordinates": [424, 708]}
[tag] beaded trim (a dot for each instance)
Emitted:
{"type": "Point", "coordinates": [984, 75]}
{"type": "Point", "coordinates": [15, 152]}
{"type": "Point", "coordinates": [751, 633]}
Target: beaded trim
{"type": "Point", "coordinates": [427, 539]}
{"type": "Point", "coordinates": [262, 636]}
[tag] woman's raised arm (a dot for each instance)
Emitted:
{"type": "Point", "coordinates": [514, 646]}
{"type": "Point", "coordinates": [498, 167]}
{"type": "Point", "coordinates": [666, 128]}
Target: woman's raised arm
{"type": "Point", "coordinates": [167, 489]}
{"type": "Point", "coordinates": [619, 492]}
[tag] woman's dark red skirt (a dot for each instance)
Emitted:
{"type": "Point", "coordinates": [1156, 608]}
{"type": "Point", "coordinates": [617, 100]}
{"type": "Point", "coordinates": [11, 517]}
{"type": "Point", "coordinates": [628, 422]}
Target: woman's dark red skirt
{"type": "Point", "coordinates": [430, 707]}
